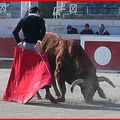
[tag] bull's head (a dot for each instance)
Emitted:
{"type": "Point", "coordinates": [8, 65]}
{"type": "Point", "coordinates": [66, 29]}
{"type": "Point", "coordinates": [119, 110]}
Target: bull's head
{"type": "Point", "coordinates": [86, 74]}
{"type": "Point", "coordinates": [90, 86]}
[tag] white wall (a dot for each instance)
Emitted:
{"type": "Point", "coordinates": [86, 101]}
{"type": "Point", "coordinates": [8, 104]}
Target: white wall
{"type": "Point", "coordinates": [59, 25]}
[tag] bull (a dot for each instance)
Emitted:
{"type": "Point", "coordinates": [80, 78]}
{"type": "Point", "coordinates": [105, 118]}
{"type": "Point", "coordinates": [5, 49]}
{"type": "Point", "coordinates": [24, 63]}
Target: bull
{"type": "Point", "coordinates": [69, 63]}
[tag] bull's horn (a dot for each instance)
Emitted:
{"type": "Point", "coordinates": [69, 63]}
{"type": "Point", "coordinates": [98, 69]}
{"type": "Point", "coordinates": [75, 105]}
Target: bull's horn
{"type": "Point", "coordinates": [101, 93]}
{"type": "Point", "coordinates": [76, 82]}
{"type": "Point", "coordinates": [101, 79]}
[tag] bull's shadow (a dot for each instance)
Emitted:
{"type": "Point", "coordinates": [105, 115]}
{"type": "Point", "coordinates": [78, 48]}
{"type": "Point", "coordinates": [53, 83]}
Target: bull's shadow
{"type": "Point", "coordinates": [96, 105]}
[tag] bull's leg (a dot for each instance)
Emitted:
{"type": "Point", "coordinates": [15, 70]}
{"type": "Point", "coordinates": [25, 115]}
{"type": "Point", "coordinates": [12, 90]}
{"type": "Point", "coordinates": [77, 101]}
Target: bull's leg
{"type": "Point", "coordinates": [57, 92]}
{"type": "Point", "coordinates": [49, 96]}
{"type": "Point", "coordinates": [57, 73]}
{"type": "Point", "coordinates": [38, 95]}
{"type": "Point", "coordinates": [62, 87]}
{"type": "Point", "coordinates": [58, 62]}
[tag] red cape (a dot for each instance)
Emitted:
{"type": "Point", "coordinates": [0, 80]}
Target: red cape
{"type": "Point", "coordinates": [28, 74]}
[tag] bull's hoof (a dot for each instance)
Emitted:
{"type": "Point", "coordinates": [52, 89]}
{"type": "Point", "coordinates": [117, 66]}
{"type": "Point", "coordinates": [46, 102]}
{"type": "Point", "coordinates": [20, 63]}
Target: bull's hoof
{"type": "Point", "coordinates": [61, 99]}
{"type": "Point", "coordinates": [51, 98]}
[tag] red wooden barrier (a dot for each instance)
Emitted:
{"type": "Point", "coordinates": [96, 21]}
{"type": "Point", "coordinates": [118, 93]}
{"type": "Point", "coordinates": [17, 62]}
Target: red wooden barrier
{"type": "Point", "coordinates": [104, 55]}
{"type": "Point", "coordinates": [103, 51]}
{"type": "Point", "coordinates": [6, 47]}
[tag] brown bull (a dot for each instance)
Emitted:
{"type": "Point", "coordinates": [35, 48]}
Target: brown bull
{"type": "Point", "coordinates": [69, 63]}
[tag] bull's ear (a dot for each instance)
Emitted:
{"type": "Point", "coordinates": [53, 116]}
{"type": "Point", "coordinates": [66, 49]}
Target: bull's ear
{"type": "Point", "coordinates": [101, 93]}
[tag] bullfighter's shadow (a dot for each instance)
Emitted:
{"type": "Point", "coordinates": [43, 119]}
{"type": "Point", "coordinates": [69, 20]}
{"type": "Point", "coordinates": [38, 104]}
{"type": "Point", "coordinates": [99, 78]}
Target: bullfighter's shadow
{"type": "Point", "coordinates": [96, 105]}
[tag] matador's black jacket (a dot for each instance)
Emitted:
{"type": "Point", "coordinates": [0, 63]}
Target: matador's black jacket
{"type": "Point", "coordinates": [33, 28]}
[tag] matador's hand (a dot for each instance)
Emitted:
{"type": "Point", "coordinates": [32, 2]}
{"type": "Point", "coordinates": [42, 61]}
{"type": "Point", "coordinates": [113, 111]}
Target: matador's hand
{"type": "Point", "coordinates": [37, 46]}
{"type": "Point", "coordinates": [20, 44]}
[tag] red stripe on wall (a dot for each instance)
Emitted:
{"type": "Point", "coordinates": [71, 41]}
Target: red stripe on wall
{"type": "Point", "coordinates": [7, 47]}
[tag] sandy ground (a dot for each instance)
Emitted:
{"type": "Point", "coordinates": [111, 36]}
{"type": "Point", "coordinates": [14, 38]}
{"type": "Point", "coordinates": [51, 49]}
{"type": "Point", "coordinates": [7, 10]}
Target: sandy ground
{"type": "Point", "coordinates": [74, 107]}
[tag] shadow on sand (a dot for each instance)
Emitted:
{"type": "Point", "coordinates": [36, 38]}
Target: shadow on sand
{"type": "Point", "coordinates": [96, 105]}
